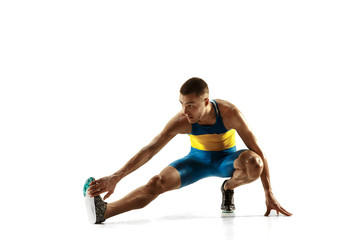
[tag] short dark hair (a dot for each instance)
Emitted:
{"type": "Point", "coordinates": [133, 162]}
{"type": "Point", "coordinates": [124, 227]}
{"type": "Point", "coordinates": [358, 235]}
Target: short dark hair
{"type": "Point", "coordinates": [194, 85]}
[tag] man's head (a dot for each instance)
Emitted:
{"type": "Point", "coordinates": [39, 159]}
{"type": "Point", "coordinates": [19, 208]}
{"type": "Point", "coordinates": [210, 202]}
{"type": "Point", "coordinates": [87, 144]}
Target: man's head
{"type": "Point", "coordinates": [195, 85]}
{"type": "Point", "coordinates": [194, 98]}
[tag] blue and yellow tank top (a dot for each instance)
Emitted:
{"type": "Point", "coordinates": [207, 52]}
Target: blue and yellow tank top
{"type": "Point", "coordinates": [214, 137]}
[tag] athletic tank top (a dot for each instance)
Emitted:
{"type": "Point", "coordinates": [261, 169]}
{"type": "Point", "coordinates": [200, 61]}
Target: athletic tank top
{"type": "Point", "coordinates": [213, 137]}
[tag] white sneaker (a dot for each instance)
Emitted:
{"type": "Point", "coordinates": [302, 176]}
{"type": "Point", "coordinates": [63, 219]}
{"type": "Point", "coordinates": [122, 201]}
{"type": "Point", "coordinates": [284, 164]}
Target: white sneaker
{"type": "Point", "coordinates": [95, 206]}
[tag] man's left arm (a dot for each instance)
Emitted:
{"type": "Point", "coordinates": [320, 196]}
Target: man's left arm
{"type": "Point", "coordinates": [238, 122]}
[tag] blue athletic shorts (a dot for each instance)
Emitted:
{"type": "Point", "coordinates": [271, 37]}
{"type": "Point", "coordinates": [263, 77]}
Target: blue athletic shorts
{"type": "Point", "coordinates": [200, 164]}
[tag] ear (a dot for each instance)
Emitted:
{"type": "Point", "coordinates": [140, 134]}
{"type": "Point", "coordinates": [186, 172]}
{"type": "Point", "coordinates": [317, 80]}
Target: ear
{"type": "Point", "coordinates": [206, 100]}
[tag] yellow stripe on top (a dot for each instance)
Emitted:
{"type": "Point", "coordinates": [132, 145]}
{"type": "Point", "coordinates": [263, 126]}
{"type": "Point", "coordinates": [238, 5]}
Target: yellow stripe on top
{"type": "Point", "coordinates": [213, 142]}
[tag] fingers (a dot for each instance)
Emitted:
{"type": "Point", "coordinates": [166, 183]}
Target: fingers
{"type": "Point", "coordinates": [267, 212]}
{"type": "Point", "coordinates": [95, 182]}
{"type": "Point", "coordinates": [108, 194]}
{"type": "Point", "coordinates": [283, 211]}
{"type": "Point", "coordinates": [94, 193]}
{"type": "Point", "coordinates": [96, 188]}
{"type": "Point", "coordinates": [278, 209]}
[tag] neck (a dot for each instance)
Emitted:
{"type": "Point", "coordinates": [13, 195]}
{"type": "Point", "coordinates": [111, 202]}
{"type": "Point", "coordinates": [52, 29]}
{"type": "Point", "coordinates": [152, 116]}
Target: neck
{"type": "Point", "coordinates": [209, 116]}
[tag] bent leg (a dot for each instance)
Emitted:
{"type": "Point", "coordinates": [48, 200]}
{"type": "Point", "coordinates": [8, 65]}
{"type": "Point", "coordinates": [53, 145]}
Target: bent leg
{"type": "Point", "coordinates": [168, 179]}
{"type": "Point", "coordinates": [248, 167]}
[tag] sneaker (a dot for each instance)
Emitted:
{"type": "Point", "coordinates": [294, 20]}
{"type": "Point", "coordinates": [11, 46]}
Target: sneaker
{"type": "Point", "coordinates": [227, 205]}
{"type": "Point", "coordinates": [95, 206]}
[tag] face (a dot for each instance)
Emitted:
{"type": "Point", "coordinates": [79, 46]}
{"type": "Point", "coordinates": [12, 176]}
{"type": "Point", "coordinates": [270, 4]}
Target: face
{"type": "Point", "coordinates": [193, 107]}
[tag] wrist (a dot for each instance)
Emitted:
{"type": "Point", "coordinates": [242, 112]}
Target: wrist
{"type": "Point", "coordinates": [268, 193]}
{"type": "Point", "coordinates": [117, 176]}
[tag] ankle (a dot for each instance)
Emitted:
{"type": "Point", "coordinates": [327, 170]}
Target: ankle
{"type": "Point", "coordinates": [108, 212]}
{"type": "Point", "coordinates": [227, 187]}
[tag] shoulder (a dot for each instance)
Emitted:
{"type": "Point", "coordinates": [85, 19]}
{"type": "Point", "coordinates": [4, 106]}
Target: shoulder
{"type": "Point", "coordinates": [178, 125]}
{"type": "Point", "coordinates": [229, 113]}
{"type": "Point", "coordinates": [227, 109]}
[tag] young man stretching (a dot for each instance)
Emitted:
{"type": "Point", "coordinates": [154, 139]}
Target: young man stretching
{"type": "Point", "coordinates": [212, 125]}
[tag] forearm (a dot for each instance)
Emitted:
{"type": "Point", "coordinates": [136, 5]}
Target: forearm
{"type": "Point", "coordinates": [265, 177]}
{"type": "Point", "coordinates": [146, 153]}
{"type": "Point", "coordinates": [142, 157]}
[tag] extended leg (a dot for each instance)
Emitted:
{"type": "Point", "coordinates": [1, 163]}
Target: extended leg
{"type": "Point", "coordinates": [168, 179]}
{"type": "Point", "coordinates": [248, 167]}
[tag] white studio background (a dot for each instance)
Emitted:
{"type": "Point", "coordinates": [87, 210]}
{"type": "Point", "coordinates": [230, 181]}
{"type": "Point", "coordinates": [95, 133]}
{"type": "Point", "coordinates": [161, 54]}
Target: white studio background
{"type": "Point", "coordinates": [84, 85]}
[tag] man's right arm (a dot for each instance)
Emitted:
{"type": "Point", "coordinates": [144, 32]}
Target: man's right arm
{"type": "Point", "coordinates": [175, 126]}
{"type": "Point", "coordinates": [178, 124]}
{"type": "Point", "coordinates": [145, 154]}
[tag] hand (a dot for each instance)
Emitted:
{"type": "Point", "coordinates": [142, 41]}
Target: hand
{"type": "Point", "coordinates": [272, 203]}
{"type": "Point", "coordinates": [105, 184]}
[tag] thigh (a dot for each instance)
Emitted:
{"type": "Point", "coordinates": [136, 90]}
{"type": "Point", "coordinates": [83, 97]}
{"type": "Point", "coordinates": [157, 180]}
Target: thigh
{"type": "Point", "coordinates": [227, 167]}
{"type": "Point", "coordinates": [191, 169]}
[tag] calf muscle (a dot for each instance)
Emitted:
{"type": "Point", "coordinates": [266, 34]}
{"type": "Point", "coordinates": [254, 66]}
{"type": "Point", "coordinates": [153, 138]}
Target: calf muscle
{"type": "Point", "coordinates": [167, 180]}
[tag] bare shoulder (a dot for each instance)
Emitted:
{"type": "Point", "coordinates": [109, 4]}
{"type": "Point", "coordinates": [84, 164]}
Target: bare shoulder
{"type": "Point", "coordinates": [178, 125]}
{"type": "Point", "coordinates": [227, 109]}
{"type": "Point", "coordinates": [229, 113]}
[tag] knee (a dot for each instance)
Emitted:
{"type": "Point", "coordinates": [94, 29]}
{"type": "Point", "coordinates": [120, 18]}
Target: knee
{"type": "Point", "coordinates": [251, 163]}
{"type": "Point", "coordinates": [155, 185]}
